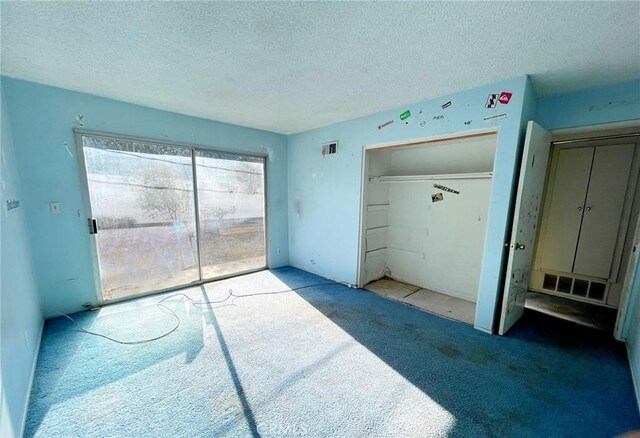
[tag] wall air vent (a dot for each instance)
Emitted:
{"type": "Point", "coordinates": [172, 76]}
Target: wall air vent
{"type": "Point", "coordinates": [330, 148]}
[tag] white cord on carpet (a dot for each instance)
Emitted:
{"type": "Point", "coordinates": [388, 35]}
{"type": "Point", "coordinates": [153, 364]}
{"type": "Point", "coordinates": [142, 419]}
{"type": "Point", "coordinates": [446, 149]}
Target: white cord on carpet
{"type": "Point", "coordinates": [194, 303]}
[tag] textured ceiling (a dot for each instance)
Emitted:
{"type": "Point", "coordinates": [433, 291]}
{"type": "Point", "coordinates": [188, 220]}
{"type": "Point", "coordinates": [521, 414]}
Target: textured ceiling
{"type": "Point", "coordinates": [292, 66]}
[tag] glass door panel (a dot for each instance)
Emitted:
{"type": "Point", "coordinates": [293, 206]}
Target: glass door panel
{"type": "Point", "coordinates": [231, 202]}
{"type": "Point", "coordinates": [142, 197]}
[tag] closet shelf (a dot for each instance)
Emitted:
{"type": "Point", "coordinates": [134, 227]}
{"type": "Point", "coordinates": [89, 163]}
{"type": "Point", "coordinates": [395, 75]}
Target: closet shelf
{"type": "Point", "coordinates": [419, 178]}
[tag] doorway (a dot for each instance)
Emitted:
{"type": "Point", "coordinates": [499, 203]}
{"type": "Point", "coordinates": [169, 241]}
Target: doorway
{"type": "Point", "coordinates": [574, 235]}
{"type": "Point", "coordinates": [164, 216]}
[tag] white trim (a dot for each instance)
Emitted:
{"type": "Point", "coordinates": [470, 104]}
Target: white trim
{"type": "Point", "coordinates": [420, 178]}
{"type": "Point", "coordinates": [598, 127]}
{"type": "Point", "coordinates": [434, 138]}
{"type": "Point", "coordinates": [629, 279]}
{"type": "Point", "coordinates": [33, 374]}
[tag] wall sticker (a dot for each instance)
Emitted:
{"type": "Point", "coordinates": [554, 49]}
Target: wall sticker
{"type": "Point", "coordinates": [446, 105]}
{"type": "Point", "coordinates": [492, 101]}
{"type": "Point", "coordinates": [437, 197]}
{"type": "Point", "coordinates": [495, 118]}
{"type": "Point", "coordinates": [385, 124]}
{"type": "Point", "coordinates": [423, 123]}
{"type": "Point", "coordinates": [505, 97]}
{"type": "Point", "coordinates": [12, 204]}
{"type": "Point", "coordinates": [405, 115]}
{"type": "Point", "coordinates": [446, 189]}
{"type": "Point", "coordinates": [438, 117]}
{"type": "Point", "coordinates": [468, 122]}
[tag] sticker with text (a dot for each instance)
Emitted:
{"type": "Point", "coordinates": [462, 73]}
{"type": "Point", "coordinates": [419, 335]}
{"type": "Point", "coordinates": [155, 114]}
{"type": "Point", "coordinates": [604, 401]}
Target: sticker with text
{"type": "Point", "coordinates": [505, 97]}
{"type": "Point", "coordinates": [495, 118]}
{"type": "Point", "coordinates": [446, 105]}
{"type": "Point", "coordinates": [446, 189]}
{"type": "Point", "coordinates": [405, 115]}
{"type": "Point", "coordinates": [385, 124]}
{"type": "Point", "coordinates": [12, 204]}
{"type": "Point", "coordinates": [437, 197]}
{"type": "Point", "coordinates": [492, 101]}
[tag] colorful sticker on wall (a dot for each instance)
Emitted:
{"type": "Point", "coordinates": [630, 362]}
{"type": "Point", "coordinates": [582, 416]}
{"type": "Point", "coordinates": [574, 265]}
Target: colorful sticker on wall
{"type": "Point", "coordinates": [495, 118]}
{"type": "Point", "coordinates": [492, 101]}
{"type": "Point", "coordinates": [446, 189]}
{"type": "Point", "coordinates": [405, 115]}
{"type": "Point", "coordinates": [423, 123]}
{"type": "Point", "coordinates": [385, 124]}
{"type": "Point", "coordinates": [446, 105]}
{"type": "Point", "coordinates": [505, 97]}
{"type": "Point", "coordinates": [439, 117]}
{"type": "Point", "coordinates": [468, 122]}
{"type": "Point", "coordinates": [437, 197]}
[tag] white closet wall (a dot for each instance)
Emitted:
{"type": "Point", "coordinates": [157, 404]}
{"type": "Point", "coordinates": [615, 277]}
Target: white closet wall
{"type": "Point", "coordinates": [408, 237]}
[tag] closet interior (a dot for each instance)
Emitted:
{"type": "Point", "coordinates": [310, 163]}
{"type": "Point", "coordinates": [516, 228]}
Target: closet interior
{"type": "Point", "coordinates": [424, 220]}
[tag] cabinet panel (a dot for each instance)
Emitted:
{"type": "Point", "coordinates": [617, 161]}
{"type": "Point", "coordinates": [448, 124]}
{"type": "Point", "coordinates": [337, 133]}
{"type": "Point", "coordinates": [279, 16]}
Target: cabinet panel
{"type": "Point", "coordinates": [603, 210]}
{"type": "Point", "coordinates": [565, 208]}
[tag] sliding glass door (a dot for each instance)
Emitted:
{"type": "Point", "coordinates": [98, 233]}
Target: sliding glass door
{"type": "Point", "coordinates": [143, 202]}
{"type": "Point", "coordinates": [232, 217]}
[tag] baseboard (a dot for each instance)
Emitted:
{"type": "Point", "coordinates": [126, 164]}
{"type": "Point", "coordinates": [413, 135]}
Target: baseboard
{"type": "Point", "coordinates": [634, 378]}
{"type": "Point", "coordinates": [33, 374]}
{"type": "Point", "coordinates": [305, 269]}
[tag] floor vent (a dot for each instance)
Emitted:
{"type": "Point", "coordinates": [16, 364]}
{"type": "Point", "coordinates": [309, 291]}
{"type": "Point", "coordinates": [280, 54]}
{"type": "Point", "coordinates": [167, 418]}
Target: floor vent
{"type": "Point", "coordinates": [592, 290]}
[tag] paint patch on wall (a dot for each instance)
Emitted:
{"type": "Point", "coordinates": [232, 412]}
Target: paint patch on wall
{"type": "Point", "coordinates": [270, 153]}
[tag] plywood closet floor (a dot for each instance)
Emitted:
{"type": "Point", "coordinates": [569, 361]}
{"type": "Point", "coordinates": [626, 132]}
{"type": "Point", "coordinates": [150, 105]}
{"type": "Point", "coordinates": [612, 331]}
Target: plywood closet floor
{"type": "Point", "coordinates": [425, 299]}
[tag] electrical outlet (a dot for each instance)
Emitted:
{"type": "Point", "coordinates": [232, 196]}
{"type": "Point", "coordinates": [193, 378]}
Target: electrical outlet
{"type": "Point", "coordinates": [278, 251]}
{"type": "Point", "coordinates": [54, 207]}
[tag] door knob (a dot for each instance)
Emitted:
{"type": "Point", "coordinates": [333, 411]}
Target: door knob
{"type": "Point", "coordinates": [517, 246]}
{"type": "Point", "coordinates": [588, 208]}
{"type": "Point", "coordinates": [579, 208]}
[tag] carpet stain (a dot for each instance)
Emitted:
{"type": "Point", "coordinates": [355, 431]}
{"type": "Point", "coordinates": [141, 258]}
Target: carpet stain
{"type": "Point", "coordinates": [449, 350]}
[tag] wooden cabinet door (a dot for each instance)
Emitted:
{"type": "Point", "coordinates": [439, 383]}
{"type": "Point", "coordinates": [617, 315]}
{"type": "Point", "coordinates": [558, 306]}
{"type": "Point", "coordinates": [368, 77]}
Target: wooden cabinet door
{"type": "Point", "coordinates": [603, 210]}
{"type": "Point", "coordinates": [565, 208]}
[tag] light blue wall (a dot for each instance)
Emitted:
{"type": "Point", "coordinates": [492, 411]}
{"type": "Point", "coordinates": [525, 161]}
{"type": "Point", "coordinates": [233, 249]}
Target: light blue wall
{"type": "Point", "coordinates": [593, 106]}
{"type": "Point", "coordinates": [324, 193]}
{"type": "Point", "coordinates": [42, 119]}
{"type": "Point", "coordinates": [632, 330]}
{"type": "Point", "coordinates": [20, 316]}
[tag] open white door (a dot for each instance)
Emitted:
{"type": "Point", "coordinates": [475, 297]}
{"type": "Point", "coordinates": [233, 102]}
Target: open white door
{"type": "Point", "coordinates": [533, 171]}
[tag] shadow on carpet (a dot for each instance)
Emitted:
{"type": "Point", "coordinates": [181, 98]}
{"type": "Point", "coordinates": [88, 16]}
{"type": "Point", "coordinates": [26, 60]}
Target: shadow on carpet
{"type": "Point", "coordinates": [323, 361]}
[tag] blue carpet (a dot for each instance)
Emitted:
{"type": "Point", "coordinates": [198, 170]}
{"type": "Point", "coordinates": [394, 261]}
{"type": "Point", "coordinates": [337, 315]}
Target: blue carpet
{"type": "Point", "coordinates": [323, 361]}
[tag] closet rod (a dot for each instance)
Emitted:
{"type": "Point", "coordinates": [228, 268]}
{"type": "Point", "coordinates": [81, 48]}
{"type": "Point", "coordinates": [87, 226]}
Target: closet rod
{"type": "Point", "coordinates": [603, 137]}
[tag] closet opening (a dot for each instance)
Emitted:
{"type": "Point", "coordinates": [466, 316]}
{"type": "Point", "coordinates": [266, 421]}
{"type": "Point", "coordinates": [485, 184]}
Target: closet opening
{"type": "Point", "coordinates": [424, 220]}
{"type": "Point", "coordinates": [585, 251]}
